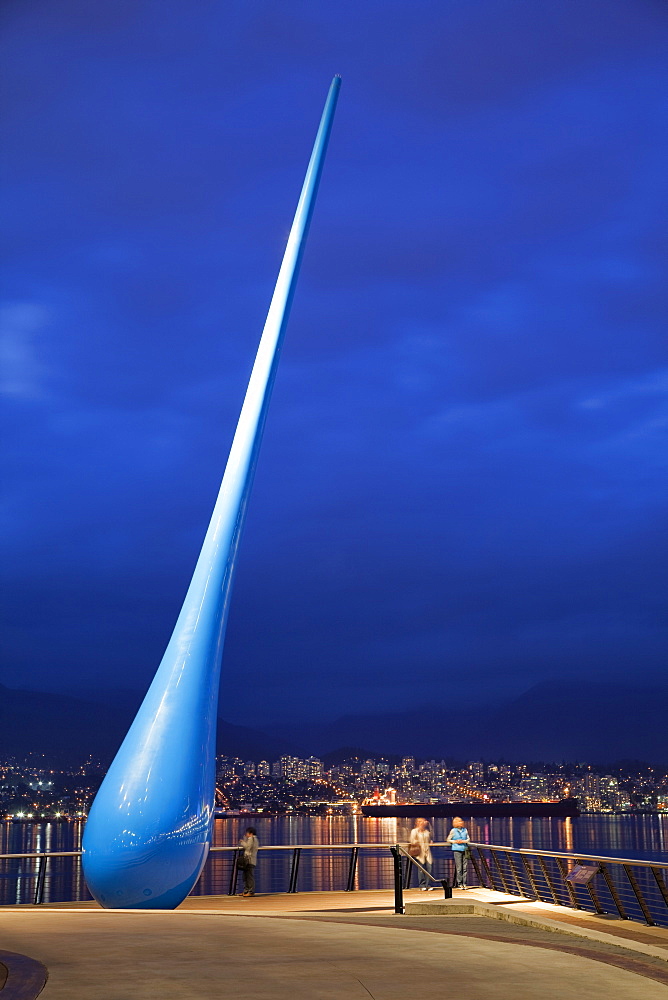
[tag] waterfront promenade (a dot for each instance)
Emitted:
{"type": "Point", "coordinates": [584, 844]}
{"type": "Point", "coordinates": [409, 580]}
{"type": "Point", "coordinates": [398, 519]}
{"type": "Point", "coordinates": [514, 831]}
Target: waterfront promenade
{"type": "Point", "coordinates": [482, 944]}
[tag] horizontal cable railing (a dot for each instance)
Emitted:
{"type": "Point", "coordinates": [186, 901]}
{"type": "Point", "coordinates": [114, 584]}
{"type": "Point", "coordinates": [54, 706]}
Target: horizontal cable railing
{"type": "Point", "coordinates": [32, 878]}
{"type": "Point", "coordinates": [301, 868]}
{"type": "Point", "coordinates": [630, 889]}
{"type": "Point", "coordinates": [57, 876]}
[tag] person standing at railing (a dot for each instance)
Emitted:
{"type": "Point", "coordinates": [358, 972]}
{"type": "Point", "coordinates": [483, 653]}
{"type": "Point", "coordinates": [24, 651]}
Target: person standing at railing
{"type": "Point", "coordinates": [419, 847]}
{"type": "Point", "coordinates": [249, 845]}
{"type": "Point", "coordinates": [458, 838]}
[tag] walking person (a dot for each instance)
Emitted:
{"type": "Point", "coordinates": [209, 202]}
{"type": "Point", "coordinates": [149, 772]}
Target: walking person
{"type": "Point", "coordinates": [248, 860]}
{"type": "Point", "coordinates": [419, 848]}
{"type": "Point", "coordinates": [458, 838]}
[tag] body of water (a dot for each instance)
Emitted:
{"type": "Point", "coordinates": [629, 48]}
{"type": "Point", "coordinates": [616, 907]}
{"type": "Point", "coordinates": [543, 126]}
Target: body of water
{"type": "Point", "coordinates": [624, 837]}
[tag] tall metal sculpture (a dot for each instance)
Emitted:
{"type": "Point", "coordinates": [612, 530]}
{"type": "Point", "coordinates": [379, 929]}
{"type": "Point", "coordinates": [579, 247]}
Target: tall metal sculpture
{"type": "Point", "coordinates": [149, 829]}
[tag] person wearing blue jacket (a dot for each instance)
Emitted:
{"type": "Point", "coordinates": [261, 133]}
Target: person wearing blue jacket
{"type": "Point", "coordinates": [458, 838]}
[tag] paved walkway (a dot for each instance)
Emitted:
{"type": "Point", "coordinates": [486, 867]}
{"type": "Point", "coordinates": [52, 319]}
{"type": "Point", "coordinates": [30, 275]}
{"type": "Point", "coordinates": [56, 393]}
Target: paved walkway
{"type": "Point", "coordinates": [320, 946]}
{"type": "Point", "coordinates": [418, 903]}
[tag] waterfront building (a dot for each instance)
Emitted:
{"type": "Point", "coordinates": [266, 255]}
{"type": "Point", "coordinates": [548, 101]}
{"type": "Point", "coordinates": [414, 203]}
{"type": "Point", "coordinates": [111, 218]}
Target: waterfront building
{"type": "Point", "coordinates": [609, 793]}
{"type": "Point", "coordinates": [505, 775]}
{"type": "Point", "coordinates": [227, 768]}
{"type": "Point", "coordinates": [476, 770]}
{"type": "Point", "coordinates": [408, 765]}
{"type": "Point", "coordinates": [314, 768]}
{"type": "Point", "coordinates": [592, 793]}
{"type": "Point", "coordinates": [535, 787]}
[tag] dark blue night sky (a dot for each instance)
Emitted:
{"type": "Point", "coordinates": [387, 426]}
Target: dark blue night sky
{"type": "Point", "coordinates": [463, 483]}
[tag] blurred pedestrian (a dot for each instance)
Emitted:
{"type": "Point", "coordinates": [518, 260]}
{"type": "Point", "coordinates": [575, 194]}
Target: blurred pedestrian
{"type": "Point", "coordinates": [458, 838]}
{"type": "Point", "coordinates": [419, 847]}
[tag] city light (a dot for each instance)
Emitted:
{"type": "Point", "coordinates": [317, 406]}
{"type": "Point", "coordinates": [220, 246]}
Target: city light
{"type": "Point", "coordinates": [29, 792]}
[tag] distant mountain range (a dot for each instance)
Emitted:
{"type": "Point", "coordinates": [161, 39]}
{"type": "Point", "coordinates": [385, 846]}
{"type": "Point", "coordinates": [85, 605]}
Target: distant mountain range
{"type": "Point", "coordinates": [68, 728]}
{"type": "Point", "coordinates": [553, 721]}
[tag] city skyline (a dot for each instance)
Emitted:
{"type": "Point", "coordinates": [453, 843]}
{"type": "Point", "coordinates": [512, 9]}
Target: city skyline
{"type": "Point", "coordinates": [34, 791]}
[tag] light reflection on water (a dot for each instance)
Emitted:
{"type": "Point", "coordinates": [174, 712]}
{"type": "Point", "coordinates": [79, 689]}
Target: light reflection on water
{"type": "Point", "coordinates": [629, 836]}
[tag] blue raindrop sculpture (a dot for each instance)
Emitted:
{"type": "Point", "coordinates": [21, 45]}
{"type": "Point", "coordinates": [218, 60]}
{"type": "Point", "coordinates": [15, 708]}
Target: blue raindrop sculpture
{"type": "Point", "coordinates": [149, 829]}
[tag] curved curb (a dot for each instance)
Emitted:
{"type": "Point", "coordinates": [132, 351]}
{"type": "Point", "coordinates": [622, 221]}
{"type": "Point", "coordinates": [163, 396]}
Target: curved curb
{"type": "Point", "coordinates": [507, 913]}
{"type": "Point", "coordinates": [26, 977]}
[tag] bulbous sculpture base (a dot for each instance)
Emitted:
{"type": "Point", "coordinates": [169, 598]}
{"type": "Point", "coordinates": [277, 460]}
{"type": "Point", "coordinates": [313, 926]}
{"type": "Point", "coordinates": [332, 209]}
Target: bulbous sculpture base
{"type": "Point", "coordinates": [158, 879]}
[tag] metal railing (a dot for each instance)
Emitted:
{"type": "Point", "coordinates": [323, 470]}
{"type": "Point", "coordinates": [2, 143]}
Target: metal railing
{"type": "Point", "coordinates": [295, 868]}
{"type": "Point", "coordinates": [56, 876]}
{"type": "Point", "coordinates": [629, 889]}
{"type": "Point", "coordinates": [404, 865]}
{"type": "Point", "coordinates": [35, 869]}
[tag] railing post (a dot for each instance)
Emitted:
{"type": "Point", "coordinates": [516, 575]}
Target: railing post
{"type": "Point", "coordinates": [548, 881]}
{"type": "Point", "coordinates": [408, 872]}
{"type": "Point", "coordinates": [39, 884]}
{"type": "Point", "coordinates": [476, 867]}
{"type": "Point", "coordinates": [570, 889]}
{"type": "Point", "coordinates": [488, 870]}
{"type": "Point", "coordinates": [612, 889]}
{"type": "Point", "coordinates": [500, 871]}
{"type": "Point", "coordinates": [448, 882]}
{"type": "Point", "coordinates": [639, 896]}
{"type": "Point", "coordinates": [529, 873]}
{"type": "Point", "coordinates": [593, 895]}
{"type": "Point", "coordinates": [516, 876]}
{"type": "Point", "coordinates": [351, 869]}
{"type": "Point", "coordinates": [294, 869]}
{"type": "Point", "coordinates": [398, 881]}
{"type": "Point", "coordinates": [661, 884]}
{"type": "Point", "coordinates": [233, 877]}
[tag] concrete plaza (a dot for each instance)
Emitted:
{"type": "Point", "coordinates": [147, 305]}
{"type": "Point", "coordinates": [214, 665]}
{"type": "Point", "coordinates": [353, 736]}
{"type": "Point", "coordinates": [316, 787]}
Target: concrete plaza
{"type": "Point", "coordinates": [330, 945]}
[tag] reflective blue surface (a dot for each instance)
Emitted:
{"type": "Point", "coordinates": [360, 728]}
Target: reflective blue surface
{"type": "Point", "coordinates": [149, 828]}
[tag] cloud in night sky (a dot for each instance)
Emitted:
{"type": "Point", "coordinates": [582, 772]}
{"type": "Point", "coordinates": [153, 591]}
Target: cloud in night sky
{"type": "Point", "coordinates": [463, 474]}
